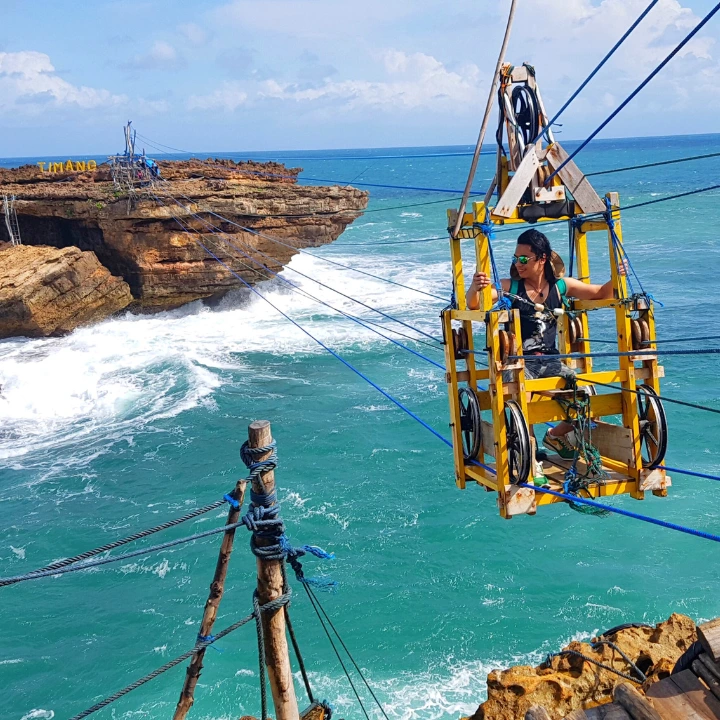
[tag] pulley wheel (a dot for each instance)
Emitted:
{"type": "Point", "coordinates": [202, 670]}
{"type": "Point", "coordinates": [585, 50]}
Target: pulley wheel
{"type": "Point", "coordinates": [518, 443]}
{"type": "Point", "coordinates": [504, 339]}
{"type": "Point", "coordinates": [653, 426]}
{"type": "Point", "coordinates": [640, 333]}
{"type": "Point", "coordinates": [574, 330]}
{"type": "Point", "coordinates": [469, 422]}
{"type": "Point", "coordinates": [460, 343]}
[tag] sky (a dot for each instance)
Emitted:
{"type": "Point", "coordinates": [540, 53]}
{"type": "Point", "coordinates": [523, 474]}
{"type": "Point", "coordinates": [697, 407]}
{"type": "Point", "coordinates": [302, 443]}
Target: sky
{"type": "Point", "coordinates": [232, 75]}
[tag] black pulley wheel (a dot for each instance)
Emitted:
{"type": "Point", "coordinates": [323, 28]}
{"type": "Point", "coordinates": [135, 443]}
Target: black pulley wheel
{"type": "Point", "coordinates": [518, 443]}
{"type": "Point", "coordinates": [653, 426]}
{"type": "Point", "coordinates": [470, 422]}
{"type": "Point", "coordinates": [527, 113]}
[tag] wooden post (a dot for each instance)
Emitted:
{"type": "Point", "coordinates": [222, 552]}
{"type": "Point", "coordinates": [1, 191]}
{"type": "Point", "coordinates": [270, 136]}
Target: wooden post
{"type": "Point", "coordinates": [635, 704]}
{"type": "Point", "coordinates": [217, 588]}
{"type": "Point", "coordinates": [270, 587]}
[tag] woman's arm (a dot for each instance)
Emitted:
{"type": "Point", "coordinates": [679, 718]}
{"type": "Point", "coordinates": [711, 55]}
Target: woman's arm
{"type": "Point", "coordinates": [479, 282]}
{"type": "Point", "coordinates": [587, 291]}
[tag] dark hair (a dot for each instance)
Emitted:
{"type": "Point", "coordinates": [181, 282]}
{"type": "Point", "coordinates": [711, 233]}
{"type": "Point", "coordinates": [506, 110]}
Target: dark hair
{"type": "Point", "coordinates": [541, 247]}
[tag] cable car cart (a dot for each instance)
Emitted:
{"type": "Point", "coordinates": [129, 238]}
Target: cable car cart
{"type": "Point", "coordinates": [493, 410]}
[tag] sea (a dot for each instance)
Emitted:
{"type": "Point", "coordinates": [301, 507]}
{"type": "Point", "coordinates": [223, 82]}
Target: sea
{"type": "Point", "coordinates": [139, 419]}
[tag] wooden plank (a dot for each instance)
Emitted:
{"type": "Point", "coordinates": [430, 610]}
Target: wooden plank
{"type": "Point", "coordinates": [636, 705]}
{"type": "Point", "coordinates": [709, 636]}
{"type": "Point", "coordinates": [707, 677]}
{"type": "Point", "coordinates": [519, 501]}
{"type": "Point", "coordinates": [575, 180]}
{"type": "Point", "coordinates": [549, 411]}
{"type": "Point", "coordinates": [670, 702]}
{"type": "Point", "coordinates": [613, 441]}
{"type": "Point", "coordinates": [710, 665]}
{"type": "Point", "coordinates": [488, 437]}
{"type": "Point", "coordinates": [611, 711]}
{"type": "Point", "coordinates": [704, 702]}
{"type": "Point", "coordinates": [518, 184]}
{"type": "Point", "coordinates": [655, 479]}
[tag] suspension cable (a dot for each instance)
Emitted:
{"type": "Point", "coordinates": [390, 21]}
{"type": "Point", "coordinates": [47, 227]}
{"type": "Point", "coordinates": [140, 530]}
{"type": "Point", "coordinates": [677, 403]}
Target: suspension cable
{"type": "Point", "coordinates": [584, 83]}
{"type": "Point", "coordinates": [297, 288]}
{"type": "Point", "coordinates": [614, 113]}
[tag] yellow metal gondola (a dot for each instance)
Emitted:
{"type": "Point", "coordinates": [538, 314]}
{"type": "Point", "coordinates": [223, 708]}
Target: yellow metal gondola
{"type": "Point", "coordinates": [499, 453]}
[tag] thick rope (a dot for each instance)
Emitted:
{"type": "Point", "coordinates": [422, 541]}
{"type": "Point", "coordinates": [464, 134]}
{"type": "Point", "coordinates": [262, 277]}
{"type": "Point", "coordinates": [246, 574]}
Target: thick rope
{"type": "Point", "coordinates": [36, 574]}
{"type": "Point", "coordinates": [626, 513]}
{"type": "Point", "coordinates": [130, 538]}
{"type": "Point", "coordinates": [575, 653]}
{"type": "Point", "coordinates": [272, 606]}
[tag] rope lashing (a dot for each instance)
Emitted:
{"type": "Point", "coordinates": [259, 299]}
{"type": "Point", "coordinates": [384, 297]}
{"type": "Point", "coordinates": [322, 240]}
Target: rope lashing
{"type": "Point", "coordinates": [488, 230]}
{"type": "Point", "coordinates": [264, 521]}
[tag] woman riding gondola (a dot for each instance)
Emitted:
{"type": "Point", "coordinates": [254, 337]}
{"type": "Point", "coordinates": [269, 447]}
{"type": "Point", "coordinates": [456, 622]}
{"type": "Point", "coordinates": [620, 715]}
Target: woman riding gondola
{"type": "Point", "coordinates": [537, 277]}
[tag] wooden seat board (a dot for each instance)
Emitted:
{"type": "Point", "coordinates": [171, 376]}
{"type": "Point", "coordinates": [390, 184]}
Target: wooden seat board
{"type": "Point", "coordinates": [683, 698]}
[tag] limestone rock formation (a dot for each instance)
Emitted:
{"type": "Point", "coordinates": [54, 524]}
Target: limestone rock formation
{"type": "Point", "coordinates": [50, 291]}
{"type": "Point", "coordinates": [152, 238]}
{"type": "Point", "coordinates": [569, 683]}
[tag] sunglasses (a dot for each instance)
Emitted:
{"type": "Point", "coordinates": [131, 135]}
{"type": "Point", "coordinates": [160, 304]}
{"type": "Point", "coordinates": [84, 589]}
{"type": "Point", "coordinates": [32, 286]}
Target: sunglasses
{"type": "Point", "coordinates": [522, 259]}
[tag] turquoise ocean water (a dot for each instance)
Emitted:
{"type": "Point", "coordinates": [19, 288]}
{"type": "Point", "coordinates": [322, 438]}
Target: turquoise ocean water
{"type": "Point", "coordinates": [134, 421]}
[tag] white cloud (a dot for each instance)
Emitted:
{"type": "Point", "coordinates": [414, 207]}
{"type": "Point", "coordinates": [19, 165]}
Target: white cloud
{"type": "Point", "coordinates": [28, 80]}
{"type": "Point", "coordinates": [228, 97]}
{"type": "Point", "coordinates": [194, 34]}
{"type": "Point", "coordinates": [161, 56]}
{"type": "Point", "coordinates": [416, 81]}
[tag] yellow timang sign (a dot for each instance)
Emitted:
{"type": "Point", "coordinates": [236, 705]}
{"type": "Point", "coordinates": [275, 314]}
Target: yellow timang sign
{"type": "Point", "coordinates": [67, 166]}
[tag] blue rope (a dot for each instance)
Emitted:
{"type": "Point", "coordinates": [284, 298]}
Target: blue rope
{"type": "Point", "coordinates": [597, 68]}
{"type": "Point", "coordinates": [669, 57]}
{"type": "Point", "coordinates": [488, 230]}
{"type": "Point", "coordinates": [690, 472]}
{"type": "Point", "coordinates": [228, 498]}
{"type": "Point", "coordinates": [264, 521]}
{"type": "Point", "coordinates": [392, 399]}
{"type": "Point", "coordinates": [626, 513]}
{"type": "Point", "coordinates": [224, 237]}
{"type": "Point", "coordinates": [320, 257]}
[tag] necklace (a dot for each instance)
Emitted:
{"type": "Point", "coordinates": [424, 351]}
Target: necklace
{"type": "Point", "coordinates": [539, 292]}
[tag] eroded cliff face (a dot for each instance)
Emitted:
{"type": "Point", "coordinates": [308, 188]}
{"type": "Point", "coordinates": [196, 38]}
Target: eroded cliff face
{"type": "Point", "coordinates": [153, 240]}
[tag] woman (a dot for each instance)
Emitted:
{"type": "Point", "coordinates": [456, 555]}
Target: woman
{"type": "Point", "coordinates": [537, 278]}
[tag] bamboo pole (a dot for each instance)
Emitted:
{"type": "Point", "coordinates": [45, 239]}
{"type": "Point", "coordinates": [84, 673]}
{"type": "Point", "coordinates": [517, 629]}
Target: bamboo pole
{"type": "Point", "coordinates": [212, 604]}
{"type": "Point", "coordinates": [270, 587]}
{"type": "Point", "coordinates": [486, 118]}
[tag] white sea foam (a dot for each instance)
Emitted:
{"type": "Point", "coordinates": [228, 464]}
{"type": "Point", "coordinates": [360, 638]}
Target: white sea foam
{"type": "Point", "coordinates": [111, 380]}
{"type": "Point", "coordinates": [39, 715]}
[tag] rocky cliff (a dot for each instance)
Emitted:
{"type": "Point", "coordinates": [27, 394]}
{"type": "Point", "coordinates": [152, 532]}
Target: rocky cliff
{"type": "Point", "coordinates": [150, 238]}
{"type": "Point", "coordinates": [577, 679]}
{"type": "Point", "coordinates": [51, 291]}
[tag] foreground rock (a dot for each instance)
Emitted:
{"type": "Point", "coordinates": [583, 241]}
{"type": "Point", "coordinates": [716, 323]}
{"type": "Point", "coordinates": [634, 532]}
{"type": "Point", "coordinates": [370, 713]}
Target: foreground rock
{"type": "Point", "coordinates": [143, 238]}
{"type": "Point", "coordinates": [49, 291]}
{"type": "Point", "coordinates": [569, 683]}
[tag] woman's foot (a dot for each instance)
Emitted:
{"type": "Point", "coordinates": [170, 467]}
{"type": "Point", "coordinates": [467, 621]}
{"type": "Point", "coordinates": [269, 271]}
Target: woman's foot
{"type": "Point", "coordinates": [559, 444]}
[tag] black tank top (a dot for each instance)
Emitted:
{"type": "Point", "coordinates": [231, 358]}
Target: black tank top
{"type": "Point", "coordinates": [529, 325]}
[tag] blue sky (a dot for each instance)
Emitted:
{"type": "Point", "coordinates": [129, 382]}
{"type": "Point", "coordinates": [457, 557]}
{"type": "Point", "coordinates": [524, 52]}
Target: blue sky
{"type": "Point", "coordinates": [229, 75]}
